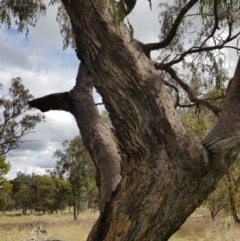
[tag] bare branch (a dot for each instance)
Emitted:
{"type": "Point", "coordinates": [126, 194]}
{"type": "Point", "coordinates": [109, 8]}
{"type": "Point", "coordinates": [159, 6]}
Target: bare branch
{"type": "Point", "coordinates": [216, 110]}
{"type": "Point", "coordinates": [215, 24]}
{"type": "Point", "coordinates": [159, 45]}
{"type": "Point", "coordinates": [198, 50]}
{"type": "Point", "coordinates": [37, 228]}
{"type": "Point", "coordinates": [58, 101]}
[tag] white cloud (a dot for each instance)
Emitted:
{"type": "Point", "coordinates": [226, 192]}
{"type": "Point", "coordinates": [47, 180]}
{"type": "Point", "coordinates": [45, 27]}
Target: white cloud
{"type": "Point", "coordinates": [145, 21]}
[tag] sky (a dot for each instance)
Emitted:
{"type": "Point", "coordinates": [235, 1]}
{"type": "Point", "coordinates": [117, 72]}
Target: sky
{"type": "Point", "coordinates": [45, 68]}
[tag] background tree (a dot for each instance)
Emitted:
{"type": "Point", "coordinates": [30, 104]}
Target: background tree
{"type": "Point", "coordinates": [15, 121]}
{"type": "Point", "coordinates": [22, 193]}
{"type": "Point", "coordinates": [155, 176]}
{"type": "Point", "coordinates": [40, 193]}
{"type": "Point", "coordinates": [232, 182]}
{"type": "Point", "coordinates": [44, 193]}
{"type": "Point", "coordinates": [74, 164]}
{"type": "Point", "coordinates": [24, 198]}
{"type": "Point", "coordinates": [5, 186]}
{"type": "Point", "coordinates": [218, 200]}
{"type": "Point", "coordinates": [62, 194]}
{"type": "Point", "coordinates": [4, 168]}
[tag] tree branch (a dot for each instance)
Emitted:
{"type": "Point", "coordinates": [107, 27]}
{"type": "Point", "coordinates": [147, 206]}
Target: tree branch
{"type": "Point", "coordinates": [97, 139]}
{"type": "Point", "coordinates": [205, 49]}
{"type": "Point", "coordinates": [198, 50]}
{"type": "Point", "coordinates": [228, 125]}
{"type": "Point", "coordinates": [216, 110]}
{"type": "Point", "coordinates": [159, 45]}
{"type": "Point", "coordinates": [215, 23]}
{"type": "Point", "coordinates": [58, 101]}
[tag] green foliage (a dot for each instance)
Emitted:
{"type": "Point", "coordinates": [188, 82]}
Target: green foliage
{"type": "Point", "coordinates": [197, 120]}
{"type": "Point", "coordinates": [200, 70]}
{"type": "Point", "coordinates": [25, 13]}
{"type": "Point", "coordinates": [62, 192]}
{"type": "Point", "coordinates": [40, 193]}
{"type": "Point", "coordinates": [74, 164]}
{"type": "Point", "coordinates": [22, 192]}
{"type": "Point", "coordinates": [65, 26]}
{"type": "Point", "coordinates": [15, 122]}
{"type": "Point", "coordinates": [218, 200]}
{"type": "Point", "coordinates": [5, 186]}
{"type": "Point", "coordinates": [198, 123]}
{"type": "Point", "coordinates": [227, 4]}
{"type": "Point", "coordinates": [4, 168]}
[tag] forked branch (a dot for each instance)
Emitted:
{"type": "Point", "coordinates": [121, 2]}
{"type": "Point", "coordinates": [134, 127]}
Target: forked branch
{"type": "Point", "coordinates": [177, 102]}
{"type": "Point", "coordinates": [200, 49]}
{"type": "Point", "coordinates": [216, 110]}
{"type": "Point", "coordinates": [159, 45]}
{"type": "Point", "coordinates": [79, 101]}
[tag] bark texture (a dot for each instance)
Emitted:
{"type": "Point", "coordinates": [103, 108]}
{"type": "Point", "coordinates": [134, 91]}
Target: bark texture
{"type": "Point", "coordinates": [96, 137]}
{"type": "Point", "coordinates": [165, 176]}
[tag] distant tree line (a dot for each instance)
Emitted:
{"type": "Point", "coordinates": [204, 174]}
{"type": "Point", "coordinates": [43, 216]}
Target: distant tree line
{"type": "Point", "coordinates": [70, 185]}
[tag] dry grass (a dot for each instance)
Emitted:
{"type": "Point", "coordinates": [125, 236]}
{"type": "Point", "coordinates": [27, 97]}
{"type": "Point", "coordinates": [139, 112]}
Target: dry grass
{"type": "Point", "coordinates": [58, 226]}
{"type": "Point", "coordinates": [199, 227]}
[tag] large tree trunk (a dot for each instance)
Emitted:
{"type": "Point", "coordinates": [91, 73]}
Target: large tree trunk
{"type": "Point", "coordinates": [165, 176]}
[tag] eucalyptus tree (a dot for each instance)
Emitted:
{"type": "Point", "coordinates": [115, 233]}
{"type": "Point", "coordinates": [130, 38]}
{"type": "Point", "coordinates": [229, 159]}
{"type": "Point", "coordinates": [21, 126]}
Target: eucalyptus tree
{"type": "Point", "coordinates": [5, 185]}
{"type": "Point", "coordinates": [16, 122]}
{"type": "Point", "coordinates": [232, 182]}
{"type": "Point", "coordinates": [74, 165]}
{"type": "Point", "coordinates": [153, 176]}
{"type": "Point", "coordinates": [22, 192]}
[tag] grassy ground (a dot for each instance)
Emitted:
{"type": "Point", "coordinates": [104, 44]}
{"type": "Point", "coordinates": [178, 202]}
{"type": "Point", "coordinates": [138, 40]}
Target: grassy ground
{"type": "Point", "coordinates": [58, 226]}
{"type": "Point", "coordinates": [199, 227]}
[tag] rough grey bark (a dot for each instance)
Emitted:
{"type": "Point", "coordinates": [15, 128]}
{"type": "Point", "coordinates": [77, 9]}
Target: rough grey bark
{"type": "Point", "coordinates": [96, 137]}
{"type": "Point", "coordinates": [165, 176]}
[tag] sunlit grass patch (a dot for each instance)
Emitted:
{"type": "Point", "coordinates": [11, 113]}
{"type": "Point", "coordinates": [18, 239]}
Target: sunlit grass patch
{"type": "Point", "coordinates": [58, 226]}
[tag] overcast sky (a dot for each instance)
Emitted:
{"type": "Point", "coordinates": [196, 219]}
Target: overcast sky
{"type": "Point", "coordinates": [45, 68]}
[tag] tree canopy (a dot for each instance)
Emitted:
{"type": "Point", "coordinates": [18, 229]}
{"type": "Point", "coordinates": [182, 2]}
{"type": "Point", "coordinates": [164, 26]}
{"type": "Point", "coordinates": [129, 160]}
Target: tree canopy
{"type": "Point", "coordinates": [74, 164]}
{"type": "Point", "coordinates": [15, 120]}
